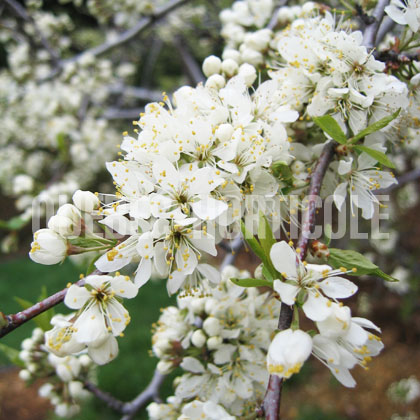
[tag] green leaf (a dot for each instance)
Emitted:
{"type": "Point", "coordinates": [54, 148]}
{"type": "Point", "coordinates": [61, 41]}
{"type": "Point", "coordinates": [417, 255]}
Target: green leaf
{"type": "Point", "coordinates": [253, 243]}
{"type": "Point", "coordinates": [12, 354]}
{"type": "Point", "coordinates": [92, 266]}
{"type": "Point", "coordinates": [378, 125]}
{"type": "Point", "coordinates": [351, 259]}
{"type": "Point", "coordinates": [43, 319]}
{"type": "Point", "coordinates": [328, 234]}
{"type": "Point", "coordinates": [376, 154]}
{"type": "Point", "coordinates": [15, 223]}
{"type": "Point", "coordinates": [249, 282]}
{"type": "Point", "coordinates": [267, 274]}
{"type": "Point", "coordinates": [331, 127]}
{"type": "Point", "coordinates": [265, 234]}
{"type": "Point", "coordinates": [84, 242]}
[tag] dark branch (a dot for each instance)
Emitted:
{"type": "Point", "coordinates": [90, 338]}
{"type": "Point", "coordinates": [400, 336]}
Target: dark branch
{"type": "Point", "coordinates": [369, 36]}
{"type": "Point", "coordinates": [272, 398]}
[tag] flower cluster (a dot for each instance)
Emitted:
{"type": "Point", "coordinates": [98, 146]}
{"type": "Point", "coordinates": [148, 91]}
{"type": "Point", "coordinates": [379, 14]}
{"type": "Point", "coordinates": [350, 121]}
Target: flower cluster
{"type": "Point", "coordinates": [65, 376]}
{"type": "Point", "coordinates": [220, 342]}
{"type": "Point", "coordinates": [342, 341]}
{"type": "Point", "coordinates": [100, 318]}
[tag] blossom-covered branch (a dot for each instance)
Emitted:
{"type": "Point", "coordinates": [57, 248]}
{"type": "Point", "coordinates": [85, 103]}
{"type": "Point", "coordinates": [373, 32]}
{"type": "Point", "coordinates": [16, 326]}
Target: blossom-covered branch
{"type": "Point", "coordinates": [272, 399]}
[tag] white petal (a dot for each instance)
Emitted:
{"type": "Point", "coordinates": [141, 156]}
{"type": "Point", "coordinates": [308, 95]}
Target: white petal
{"type": "Point", "coordinates": [343, 376]}
{"type": "Point", "coordinates": [287, 292]}
{"type": "Point", "coordinates": [76, 297]}
{"type": "Point", "coordinates": [208, 208]}
{"type": "Point", "coordinates": [284, 259]}
{"type": "Point", "coordinates": [365, 323]}
{"type": "Point", "coordinates": [191, 364]}
{"type": "Point", "coordinates": [316, 307]}
{"type": "Point", "coordinates": [107, 265]}
{"type": "Point", "coordinates": [340, 194]}
{"type": "Point", "coordinates": [337, 287]}
{"type": "Point", "coordinates": [104, 353]}
{"type": "Point", "coordinates": [210, 273]}
{"type": "Point", "coordinates": [143, 272]}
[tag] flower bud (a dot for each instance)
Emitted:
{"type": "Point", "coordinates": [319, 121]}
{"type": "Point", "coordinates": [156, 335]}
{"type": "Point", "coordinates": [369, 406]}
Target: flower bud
{"type": "Point", "coordinates": [25, 355]}
{"type": "Point", "coordinates": [224, 132]}
{"type": "Point", "coordinates": [198, 338]}
{"type": "Point", "coordinates": [164, 367]}
{"type": "Point", "coordinates": [212, 326]}
{"type": "Point", "coordinates": [27, 344]}
{"type": "Point", "coordinates": [251, 56]}
{"type": "Point", "coordinates": [66, 410]}
{"type": "Point", "coordinates": [319, 250]}
{"type": "Point", "coordinates": [25, 375]}
{"type": "Point", "coordinates": [210, 305]}
{"type": "Point", "coordinates": [212, 65]}
{"type": "Point", "coordinates": [258, 40]}
{"type": "Point", "coordinates": [32, 367]}
{"type": "Point", "coordinates": [213, 343]}
{"type": "Point", "coordinates": [197, 305]}
{"type": "Point", "coordinates": [248, 73]}
{"type": "Point", "coordinates": [85, 360]}
{"type": "Point", "coordinates": [38, 334]}
{"type": "Point", "coordinates": [70, 211]}
{"type": "Point", "coordinates": [61, 225]}
{"type": "Point", "coordinates": [48, 247]}
{"type": "Point", "coordinates": [77, 390]}
{"type": "Point", "coordinates": [287, 352]}
{"type": "Point", "coordinates": [86, 201]}
{"type": "Point", "coordinates": [230, 53]}
{"type": "Point", "coordinates": [216, 81]}
{"type": "Point", "coordinates": [46, 390]}
{"type": "Point", "coordinates": [229, 67]}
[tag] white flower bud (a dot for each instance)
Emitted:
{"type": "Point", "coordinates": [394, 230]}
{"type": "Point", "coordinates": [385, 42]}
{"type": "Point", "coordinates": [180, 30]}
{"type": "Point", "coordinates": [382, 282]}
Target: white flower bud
{"type": "Point", "coordinates": [32, 367]}
{"type": "Point", "coordinates": [214, 343]}
{"type": "Point", "coordinates": [251, 56]}
{"type": "Point", "coordinates": [48, 247]}
{"type": "Point", "coordinates": [38, 334]}
{"type": "Point", "coordinates": [231, 54]}
{"type": "Point", "coordinates": [71, 212]}
{"type": "Point", "coordinates": [86, 201]}
{"type": "Point", "coordinates": [25, 355]}
{"type": "Point", "coordinates": [85, 360]}
{"type": "Point", "coordinates": [154, 411]}
{"type": "Point", "coordinates": [27, 344]}
{"type": "Point", "coordinates": [248, 73]}
{"type": "Point", "coordinates": [25, 375]}
{"type": "Point", "coordinates": [216, 81]}
{"type": "Point", "coordinates": [164, 367]}
{"type": "Point", "coordinates": [212, 65]}
{"type": "Point", "coordinates": [209, 305]}
{"type": "Point", "coordinates": [212, 326]}
{"type": "Point", "coordinates": [61, 225]}
{"type": "Point", "coordinates": [77, 390]}
{"type": "Point", "coordinates": [64, 373]}
{"type": "Point", "coordinates": [198, 338]}
{"type": "Point", "coordinates": [46, 390]}
{"type": "Point", "coordinates": [66, 410]}
{"type": "Point", "coordinates": [224, 132]}
{"type": "Point", "coordinates": [22, 183]}
{"type": "Point", "coordinates": [161, 347]}
{"type": "Point", "coordinates": [197, 305]}
{"type": "Point", "coordinates": [258, 40]}
{"type": "Point", "coordinates": [287, 352]}
{"type": "Point", "coordinates": [229, 67]}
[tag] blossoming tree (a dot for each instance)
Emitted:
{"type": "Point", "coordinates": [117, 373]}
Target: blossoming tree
{"type": "Point", "coordinates": [306, 103]}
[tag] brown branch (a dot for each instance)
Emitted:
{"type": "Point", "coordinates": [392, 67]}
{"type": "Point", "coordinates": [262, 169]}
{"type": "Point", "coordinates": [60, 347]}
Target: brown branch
{"type": "Point", "coordinates": [16, 320]}
{"type": "Point", "coordinates": [271, 404]}
{"type": "Point", "coordinates": [104, 396]}
{"type": "Point", "coordinates": [191, 67]}
{"type": "Point", "coordinates": [21, 12]}
{"type": "Point", "coordinates": [369, 36]}
{"type": "Point", "coordinates": [126, 36]}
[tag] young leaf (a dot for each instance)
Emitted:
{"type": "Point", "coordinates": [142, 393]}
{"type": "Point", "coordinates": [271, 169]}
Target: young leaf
{"type": "Point", "coordinates": [12, 354]}
{"type": "Point", "coordinates": [265, 234]}
{"type": "Point", "coordinates": [249, 282]}
{"type": "Point", "coordinates": [253, 243]}
{"type": "Point", "coordinates": [267, 274]}
{"type": "Point", "coordinates": [378, 125]}
{"type": "Point", "coordinates": [15, 223]}
{"type": "Point", "coordinates": [351, 259]}
{"type": "Point", "coordinates": [331, 127]}
{"type": "Point", "coordinates": [282, 171]}
{"type": "Point", "coordinates": [376, 154]}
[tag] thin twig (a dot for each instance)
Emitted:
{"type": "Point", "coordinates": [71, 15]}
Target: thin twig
{"type": "Point", "coordinates": [140, 93]}
{"type": "Point", "coordinates": [106, 397]}
{"type": "Point", "coordinates": [275, 18]}
{"type": "Point", "coordinates": [386, 27]}
{"type": "Point", "coordinates": [20, 11]}
{"type": "Point", "coordinates": [271, 403]}
{"type": "Point", "coordinates": [122, 113]}
{"type": "Point", "coordinates": [369, 36]}
{"type": "Point", "coordinates": [149, 394]}
{"type": "Point", "coordinates": [126, 36]}
{"type": "Point", "coordinates": [16, 320]}
{"type": "Point", "coordinates": [192, 69]}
